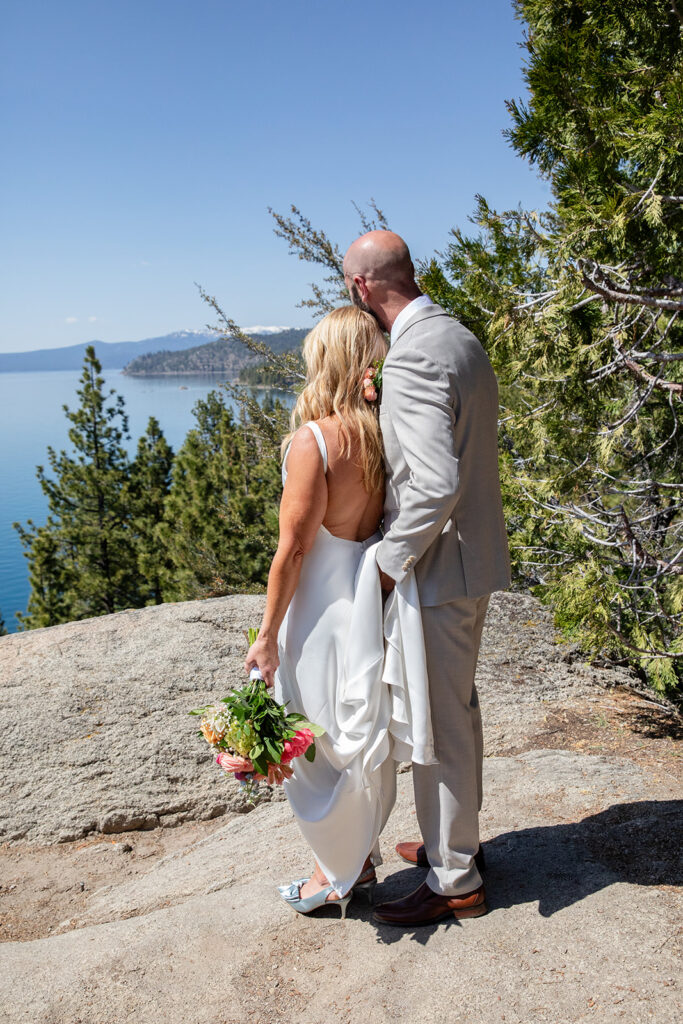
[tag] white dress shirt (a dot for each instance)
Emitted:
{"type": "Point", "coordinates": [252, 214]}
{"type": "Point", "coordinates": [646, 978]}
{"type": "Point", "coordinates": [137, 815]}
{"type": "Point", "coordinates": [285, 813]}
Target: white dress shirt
{"type": "Point", "coordinates": [406, 313]}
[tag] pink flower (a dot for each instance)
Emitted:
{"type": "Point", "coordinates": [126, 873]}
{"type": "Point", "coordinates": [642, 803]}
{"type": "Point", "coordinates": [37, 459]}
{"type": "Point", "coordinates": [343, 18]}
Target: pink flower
{"type": "Point", "coordinates": [369, 387]}
{"type": "Point", "coordinates": [232, 763]}
{"type": "Point", "coordinates": [297, 745]}
{"type": "Point", "coordinates": [307, 736]}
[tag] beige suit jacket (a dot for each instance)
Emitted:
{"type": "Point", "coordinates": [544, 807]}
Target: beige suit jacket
{"type": "Point", "coordinates": [443, 513]}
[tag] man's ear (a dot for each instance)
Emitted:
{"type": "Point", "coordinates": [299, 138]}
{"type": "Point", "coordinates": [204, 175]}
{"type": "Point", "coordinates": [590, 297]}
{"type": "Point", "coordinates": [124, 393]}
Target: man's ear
{"type": "Point", "coordinates": [362, 287]}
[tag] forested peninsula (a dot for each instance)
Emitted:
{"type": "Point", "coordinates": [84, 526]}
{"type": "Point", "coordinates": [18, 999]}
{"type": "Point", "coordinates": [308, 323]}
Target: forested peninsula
{"type": "Point", "coordinates": [224, 356]}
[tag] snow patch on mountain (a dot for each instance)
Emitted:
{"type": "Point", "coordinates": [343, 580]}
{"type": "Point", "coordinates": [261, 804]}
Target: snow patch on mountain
{"type": "Point", "coordinates": [260, 329]}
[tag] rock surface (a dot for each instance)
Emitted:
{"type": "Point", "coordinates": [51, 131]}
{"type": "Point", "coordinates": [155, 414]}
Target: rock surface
{"type": "Point", "coordinates": [581, 825]}
{"type": "Point", "coordinates": [95, 734]}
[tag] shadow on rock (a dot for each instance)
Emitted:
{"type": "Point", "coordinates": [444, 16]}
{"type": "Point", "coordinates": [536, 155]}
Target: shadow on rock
{"type": "Point", "coordinates": [559, 865]}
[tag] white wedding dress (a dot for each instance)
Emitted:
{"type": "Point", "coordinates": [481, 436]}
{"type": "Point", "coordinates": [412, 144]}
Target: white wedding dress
{"type": "Point", "coordinates": [359, 673]}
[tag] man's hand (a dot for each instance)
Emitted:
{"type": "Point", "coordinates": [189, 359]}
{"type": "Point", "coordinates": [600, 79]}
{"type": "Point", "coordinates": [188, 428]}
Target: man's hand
{"type": "Point", "coordinates": [263, 655]}
{"type": "Point", "coordinates": [386, 582]}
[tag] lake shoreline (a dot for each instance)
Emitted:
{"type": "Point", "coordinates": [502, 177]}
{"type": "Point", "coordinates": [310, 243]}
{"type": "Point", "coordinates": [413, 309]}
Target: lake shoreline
{"type": "Point", "coordinates": [181, 373]}
{"type": "Point", "coordinates": [32, 418]}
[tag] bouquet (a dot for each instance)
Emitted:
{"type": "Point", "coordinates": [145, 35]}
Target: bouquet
{"type": "Point", "coordinates": [254, 737]}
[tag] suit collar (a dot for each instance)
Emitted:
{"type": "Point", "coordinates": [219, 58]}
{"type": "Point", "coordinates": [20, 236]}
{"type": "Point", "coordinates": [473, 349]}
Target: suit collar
{"type": "Point", "coordinates": [423, 313]}
{"type": "Point", "coordinates": [406, 313]}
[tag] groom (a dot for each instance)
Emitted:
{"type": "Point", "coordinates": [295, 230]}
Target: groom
{"type": "Point", "coordinates": [443, 520]}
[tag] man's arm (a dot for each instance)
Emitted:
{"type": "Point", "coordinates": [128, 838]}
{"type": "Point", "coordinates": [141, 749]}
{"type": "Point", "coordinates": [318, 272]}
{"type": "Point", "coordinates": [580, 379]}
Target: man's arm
{"type": "Point", "coordinates": [418, 398]}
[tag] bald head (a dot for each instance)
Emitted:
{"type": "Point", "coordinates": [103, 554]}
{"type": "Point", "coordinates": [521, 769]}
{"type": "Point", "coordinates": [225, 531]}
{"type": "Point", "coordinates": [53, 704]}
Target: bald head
{"type": "Point", "coordinates": [382, 257]}
{"type": "Point", "coordinates": [380, 275]}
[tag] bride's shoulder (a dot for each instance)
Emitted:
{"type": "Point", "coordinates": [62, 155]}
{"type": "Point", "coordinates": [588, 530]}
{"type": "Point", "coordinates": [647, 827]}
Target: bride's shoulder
{"type": "Point", "coordinates": [307, 445]}
{"type": "Point", "coordinates": [303, 439]}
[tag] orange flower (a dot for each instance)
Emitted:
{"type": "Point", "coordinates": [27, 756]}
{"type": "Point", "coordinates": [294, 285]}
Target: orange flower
{"type": "Point", "coordinates": [210, 734]}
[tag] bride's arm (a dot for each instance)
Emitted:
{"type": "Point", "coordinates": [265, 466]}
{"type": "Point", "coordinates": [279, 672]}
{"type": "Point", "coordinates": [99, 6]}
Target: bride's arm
{"type": "Point", "coordinates": [302, 510]}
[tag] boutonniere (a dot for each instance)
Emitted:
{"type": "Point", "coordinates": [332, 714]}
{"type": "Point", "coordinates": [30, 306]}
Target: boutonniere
{"type": "Point", "coordinates": [372, 381]}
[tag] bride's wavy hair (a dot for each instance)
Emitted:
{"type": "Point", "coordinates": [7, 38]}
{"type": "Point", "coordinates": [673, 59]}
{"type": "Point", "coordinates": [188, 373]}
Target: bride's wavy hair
{"type": "Point", "coordinates": [337, 352]}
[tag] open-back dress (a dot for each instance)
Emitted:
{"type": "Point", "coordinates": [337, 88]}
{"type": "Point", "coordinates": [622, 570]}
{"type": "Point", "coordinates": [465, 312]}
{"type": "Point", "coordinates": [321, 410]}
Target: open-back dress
{"type": "Point", "coordinates": [357, 670]}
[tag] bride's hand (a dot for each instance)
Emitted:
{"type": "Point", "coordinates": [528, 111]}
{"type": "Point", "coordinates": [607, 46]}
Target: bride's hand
{"type": "Point", "coordinates": [263, 655]}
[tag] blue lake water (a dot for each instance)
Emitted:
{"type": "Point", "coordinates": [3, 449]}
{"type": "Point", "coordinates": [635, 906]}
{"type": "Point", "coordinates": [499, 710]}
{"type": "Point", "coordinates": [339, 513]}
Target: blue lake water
{"type": "Point", "coordinates": [32, 417]}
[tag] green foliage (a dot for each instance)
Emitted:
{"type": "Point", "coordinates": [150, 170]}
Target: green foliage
{"type": "Point", "coordinates": [82, 562]}
{"type": "Point", "coordinates": [262, 722]}
{"type": "Point", "coordinates": [3, 628]}
{"type": "Point", "coordinates": [49, 601]}
{"type": "Point", "coordinates": [377, 366]}
{"type": "Point", "coordinates": [219, 529]}
{"type": "Point", "coordinates": [124, 533]}
{"type": "Point", "coordinates": [150, 482]}
{"type": "Point", "coordinates": [313, 246]}
{"type": "Point", "coordinates": [579, 308]}
{"type": "Point", "coordinates": [263, 375]}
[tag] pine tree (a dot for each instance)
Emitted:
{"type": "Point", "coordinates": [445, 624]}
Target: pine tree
{"type": "Point", "coordinates": [3, 628]}
{"type": "Point", "coordinates": [82, 562]}
{"type": "Point", "coordinates": [51, 573]}
{"type": "Point", "coordinates": [579, 308]}
{"type": "Point", "coordinates": [220, 521]}
{"type": "Point", "coordinates": [255, 501]}
{"type": "Point", "coordinates": [150, 481]}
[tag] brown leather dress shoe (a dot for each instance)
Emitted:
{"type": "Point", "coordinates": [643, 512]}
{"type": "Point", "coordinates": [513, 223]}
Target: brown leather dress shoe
{"type": "Point", "coordinates": [415, 853]}
{"type": "Point", "coordinates": [427, 907]}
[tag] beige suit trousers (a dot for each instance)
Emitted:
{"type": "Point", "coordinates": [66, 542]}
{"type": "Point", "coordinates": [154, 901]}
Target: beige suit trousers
{"type": "Point", "coordinates": [448, 794]}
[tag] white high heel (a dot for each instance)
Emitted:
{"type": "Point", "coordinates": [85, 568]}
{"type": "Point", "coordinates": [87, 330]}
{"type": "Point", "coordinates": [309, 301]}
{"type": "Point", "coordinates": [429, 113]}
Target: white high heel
{"type": "Point", "coordinates": [291, 894]}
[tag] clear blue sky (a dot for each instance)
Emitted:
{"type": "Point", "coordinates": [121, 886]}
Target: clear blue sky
{"type": "Point", "coordinates": [144, 142]}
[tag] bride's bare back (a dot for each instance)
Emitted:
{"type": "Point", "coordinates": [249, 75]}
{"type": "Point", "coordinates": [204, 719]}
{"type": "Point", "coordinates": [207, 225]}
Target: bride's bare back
{"type": "Point", "coordinates": [351, 512]}
{"type": "Point", "coordinates": [338, 352]}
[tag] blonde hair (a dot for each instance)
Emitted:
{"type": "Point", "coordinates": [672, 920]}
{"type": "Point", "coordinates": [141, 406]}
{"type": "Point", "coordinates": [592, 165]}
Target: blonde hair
{"type": "Point", "coordinates": [337, 352]}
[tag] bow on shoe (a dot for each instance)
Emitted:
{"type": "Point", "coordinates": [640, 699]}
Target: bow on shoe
{"type": "Point", "coordinates": [292, 891]}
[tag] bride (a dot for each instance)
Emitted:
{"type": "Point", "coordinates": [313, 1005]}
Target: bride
{"type": "Point", "coordinates": [322, 639]}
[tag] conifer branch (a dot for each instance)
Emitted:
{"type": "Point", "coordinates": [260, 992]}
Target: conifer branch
{"type": "Point", "coordinates": [654, 382]}
{"type": "Point", "coordinates": [608, 290]}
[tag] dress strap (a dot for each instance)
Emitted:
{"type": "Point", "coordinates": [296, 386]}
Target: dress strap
{"type": "Point", "coordinates": [318, 434]}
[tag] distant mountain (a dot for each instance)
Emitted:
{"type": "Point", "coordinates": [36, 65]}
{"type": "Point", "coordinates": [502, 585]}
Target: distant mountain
{"type": "Point", "coordinates": [217, 356]}
{"type": "Point", "coordinates": [116, 354]}
{"type": "Point", "coordinates": [112, 355]}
